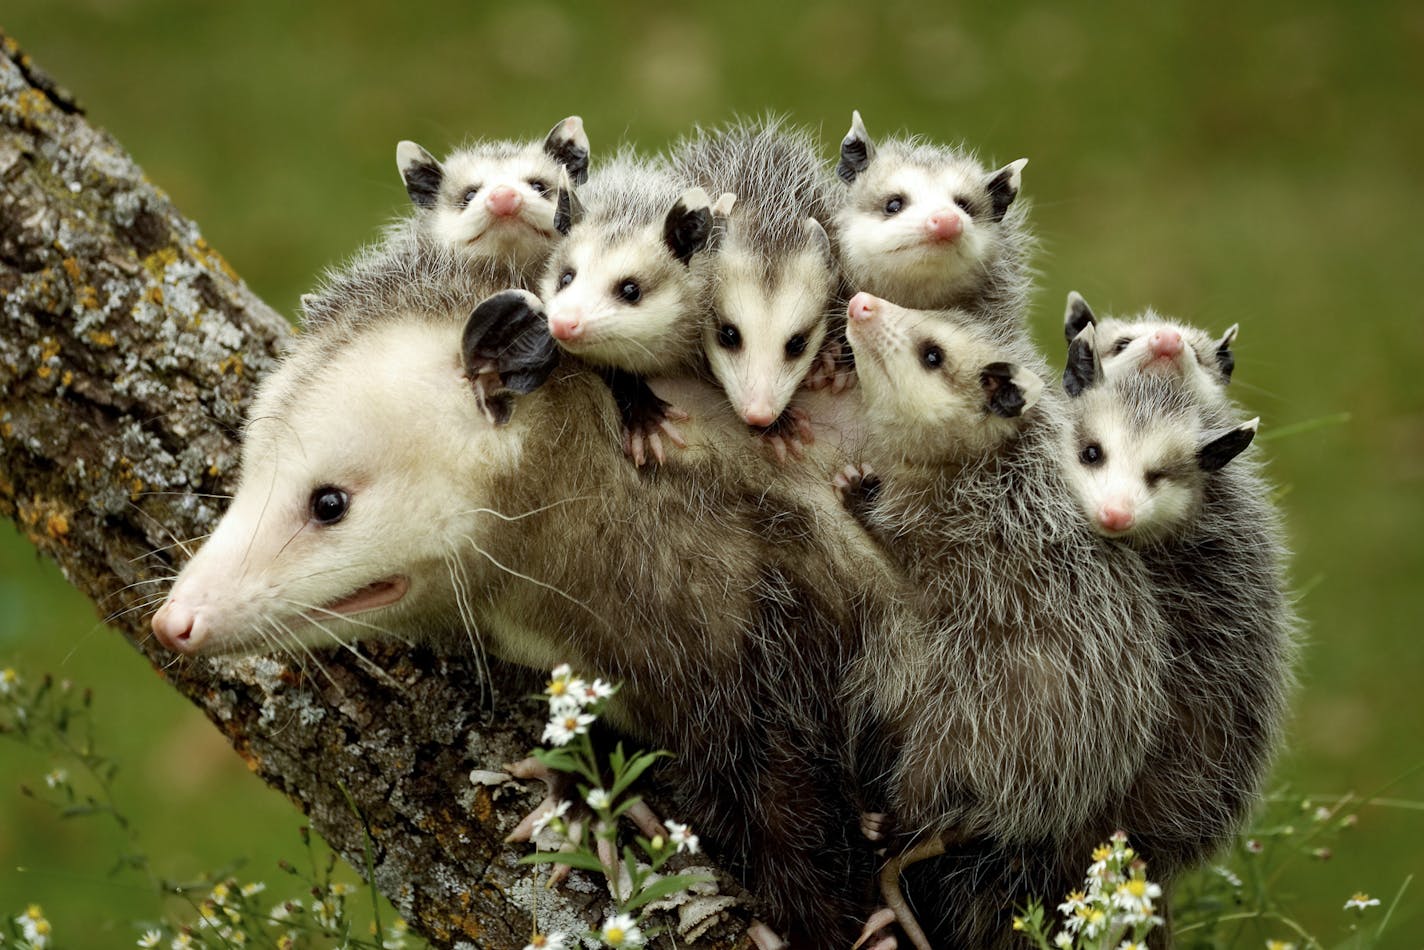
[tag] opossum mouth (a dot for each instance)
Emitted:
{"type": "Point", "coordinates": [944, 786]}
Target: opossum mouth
{"type": "Point", "coordinates": [512, 219]}
{"type": "Point", "coordinates": [380, 593]}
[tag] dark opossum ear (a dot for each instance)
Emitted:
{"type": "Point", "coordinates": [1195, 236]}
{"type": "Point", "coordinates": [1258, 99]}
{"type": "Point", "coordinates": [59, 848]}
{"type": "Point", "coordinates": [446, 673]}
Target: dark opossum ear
{"type": "Point", "coordinates": [1003, 188]}
{"type": "Point", "coordinates": [421, 172]}
{"type": "Point", "coordinates": [1009, 390]}
{"type": "Point", "coordinates": [1225, 359]}
{"type": "Point", "coordinates": [688, 226]}
{"type": "Point", "coordinates": [509, 333]}
{"type": "Point", "coordinates": [567, 210]}
{"type": "Point", "coordinates": [856, 150]}
{"type": "Point", "coordinates": [1083, 370]}
{"type": "Point", "coordinates": [1077, 316]}
{"type": "Point", "coordinates": [568, 144]}
{"type": "Point", "coordinates": [1222, 446]}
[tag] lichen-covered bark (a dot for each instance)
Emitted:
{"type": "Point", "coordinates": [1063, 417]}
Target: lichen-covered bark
{"type": "Point", "coordinates": [127, 356]}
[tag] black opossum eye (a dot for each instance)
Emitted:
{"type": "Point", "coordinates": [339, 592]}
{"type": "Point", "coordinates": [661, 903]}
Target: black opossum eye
{"type": "Point", "coordinates": [964, 205]}
{"type": "Point", "coordinates": [1154, 477]}
{"type": "Point", "coordinates": [539, 187]}
{"type": "Point", "coordinates": [469, 196]}
{"type": "Point", "coordinates": [729, 337]}
{"type": "Point", "coordinates": [566, 278]}
{"type": "Point", "coordinates": [931, 356]}
{"type": "Point", "coordinates": [630, 291]}
{"type": "Point", "coordinates": [795, 346]}
{"type": "Point", "coordinates": [894, 204]}
{"type": "Point", "coordinates": [1092, 454]}
{"type": "Point", "coordinates": [329, 504]}
{"type": "Point", "coordinates": [1120, 344]}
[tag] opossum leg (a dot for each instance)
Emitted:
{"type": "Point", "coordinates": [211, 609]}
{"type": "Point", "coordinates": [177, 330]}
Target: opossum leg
{"type": "Point", "coordinates": [789, 435]}
{"type": "Point", "coordinates": [764, 938]}
{"type": "Point", "coordinates": [874, 926]}
{"type": "Point", "coordinates": [647, 821]}
{"type": "Point", "coordinates": [647, 419]}
{"type": "Point", "coordinates": [895, 898]}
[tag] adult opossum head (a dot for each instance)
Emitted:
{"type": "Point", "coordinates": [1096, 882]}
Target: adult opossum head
{"type": "Point", "coordinates": [922, 224]}
{"type": "Point", "coordinates": [1141, 445]}
{"type": "Point", "coordinates": [936, 389]}
{"type": "Point", "coordinates": [364, 487]}
{"type": "Point", "coordinates": [495, 201]}
{"type": "Point", "coordinates": [1150, 343]}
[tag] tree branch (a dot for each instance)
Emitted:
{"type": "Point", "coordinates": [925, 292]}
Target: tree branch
{"type": "Point", "coordinates": [127, 360]}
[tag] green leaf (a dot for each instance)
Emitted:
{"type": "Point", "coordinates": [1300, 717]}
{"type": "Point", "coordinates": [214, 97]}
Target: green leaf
{"type": "Point", "coordinates": [662, 888]}
{"type": "Point", "coordinates": [583, 860]}
{"type": "Point", "coordinates": [636, 767]}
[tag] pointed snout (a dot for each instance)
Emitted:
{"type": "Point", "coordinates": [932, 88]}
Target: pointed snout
{"type": "Point", "coordinates": [504, 202]}
{"type": "Point", "coordinates": [759, 413]}
{"type": "Point", "coordinates": [1115, 517]}
{"type": "Point", "coordinates": [1165, 343]}
{"type": "Point", "coordinates": [179, 628]}
{"type": "Point", "coordinates": [947, 224]}
{"type": "Point", "coordinates": [863, 306]}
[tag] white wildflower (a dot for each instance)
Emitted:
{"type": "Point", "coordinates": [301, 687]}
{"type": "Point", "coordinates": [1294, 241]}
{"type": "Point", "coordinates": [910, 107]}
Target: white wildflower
{"type": "Point", "coordinates": [1063, 939]}
{"type": "Point", "coordinates": [253, 888]}
{"type": "Point", "coordinates": [680, 836]}
{"type": "Point", "coordinates": [566, 724]}
{"type": "Point", "coordinates": [1361, 900]}
{"type": "Point", "coordinates": [1279, 945]}
{"type": "Point", "coordinates": [622, 931]}
{"type": "Point", "coordinates": [150, 938]}
{"type": "Point", "coordinates": [598, 799]}
{"type": "Point", "coordinates": [9, 679]}
{"type": "Point", "coordinates": [1226, 872]}
{"type": "Point", "coordinates": [595, 691]}
{"type": "Point", "coordinates": [181, 942]}
{"type": "Point", "coordinates": [553, 941]}
{"type": "Point", "coordinates": [1075, 901]}
{"type": "Point", "coordinates": [57, 778]}
{"type": "Point", "coordinates": [564, 687]}
{"type": "Point", "coordinates": [544, 820]}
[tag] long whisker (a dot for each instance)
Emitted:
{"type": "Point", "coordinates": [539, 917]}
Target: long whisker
{"type": "Point", "coordinates": [538, 583]}
{"type": "Point", "coordinates": [169, 547]}
{"type": "Point", "coordinates": [504, 517]}
{"type": "Point", "coordinates": [162, 527]}
{"type": "Point", "coordinates": [472, 628]}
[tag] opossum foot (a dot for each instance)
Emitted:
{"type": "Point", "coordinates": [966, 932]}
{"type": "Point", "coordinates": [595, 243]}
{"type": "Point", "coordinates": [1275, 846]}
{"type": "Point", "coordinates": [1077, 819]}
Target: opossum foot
{"type": "Point", "coordinates": [874, 825]}
{"type": "Point", "coordinates": [557, 784]}
{"type": "Point", "coordinates": [858, 486]}
{"type": "Point", "coordinates": [645, 430]}
{"type": "Point", "coordinates": [875, 927]}
{"type": "Point", "coordinates": [789, 435]}
{"type": "Point", "coordinates": [895, 898]}
{"type": "Point", "coordinates": [833, 368]}
{"type": "Point", "coordinates": [764, 938]}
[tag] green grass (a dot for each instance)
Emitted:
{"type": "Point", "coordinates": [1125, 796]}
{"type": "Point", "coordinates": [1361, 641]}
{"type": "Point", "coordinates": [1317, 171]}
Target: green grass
{"type": "Point", "coordinates": [1253, 164]}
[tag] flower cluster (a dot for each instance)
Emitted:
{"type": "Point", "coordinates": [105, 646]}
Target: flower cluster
{"type": "Point", "coordinates": [1116, 907]}
{"type": "Point", "coordinates": [34, 928]}
{"type": "Point", "coordinates": [570, 702]}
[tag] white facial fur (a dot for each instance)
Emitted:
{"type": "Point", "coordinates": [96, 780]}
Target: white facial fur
{"type": "Point", "coordinates": [493, 207]}
{"type": "Point", "coordinates": [930, 413]}
{"type": "Point", "coordinates": [898, 255]}
{"type": "Point", "coordinates": [627, 303]}
{"type": "Point", "coordinates": [1127, 346]}
{"type": "Point", "coordinates": [1132, 479]}
{"type": "Point", "coordinates": [392, 422]}
{"type": "Point", "coordinates": [777, 326]}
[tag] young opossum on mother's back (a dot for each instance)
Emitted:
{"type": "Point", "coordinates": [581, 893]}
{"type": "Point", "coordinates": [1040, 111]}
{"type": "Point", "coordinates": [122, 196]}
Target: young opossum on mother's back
{"type": "Point", "coordinates": [1159, 467]}
{"type": "Point", "coordinates": [483, 221]}
{"type": "Point", "coordinates": [928, 227]}
{"type": "Point", "coordinates": [774, 280]}
{"type": "Point", "coordinates": [1032, 695]}
{"type": "Point", "coordinates": [723, 603]}
{"type": "Point", "coordinates": [626, 290]}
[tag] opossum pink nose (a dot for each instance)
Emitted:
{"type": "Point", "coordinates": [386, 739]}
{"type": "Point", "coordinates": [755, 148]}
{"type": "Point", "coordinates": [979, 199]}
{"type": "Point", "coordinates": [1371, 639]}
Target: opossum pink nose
{"type": "Point", "coordinates": [862, 306]}
{"type": "Point", "coordinates": [1115, 517]}
{"type": "Point", "coordinates": [945, 225]}
{"type": "Point", "coordinates": [176, 627]}
{"type": "Point", "coordinates": [1165, 342]}
{"type": "Point", "coordinates": [504, 202]}
{"type": "Point", "coordinates": [759, 414]}
{"type": "Point", "coordinates": [566, 326]}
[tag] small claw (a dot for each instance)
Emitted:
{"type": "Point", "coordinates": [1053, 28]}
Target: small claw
{"type": "Point", "coordinates": [845, 379]}
{"type": "Point", "coordinates": [872, 826]}
{"type": "Point", "coordinates": [646, 820]}
{"type": "Point", "coordinates": [558, 873]}
{"type": "Point", "coordinates": [877, 922]}
{"type": "Point", "coordinates": [655, 445]}
{"type": "Point", "coordinates": [635, 441]}
{"type": "Point", "coordinates": [803, 427]}
{"type": "Point", "coordinates": [530, 768]}
{"type": "Point", "coordinates": [778, 446]}
{"type": "Point", "coordinates": [763, 937]}
{"type": "Point", "coordinates": [673, 433]}
{"type": "Point", "coordinates": [525, 829]}
{"type": "Point", "coordinates": [675, 414]}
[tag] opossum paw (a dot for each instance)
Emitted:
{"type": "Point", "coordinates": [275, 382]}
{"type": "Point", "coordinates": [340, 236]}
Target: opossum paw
{"type": "Point", "coordinates": [764, 938]}
{"type": "Point", "coordinates": [644, 433]}
{"type": "Point", "coordinates": [876, 929]}
{"type": "Point", "coordinates": [789, 435]}
{"type": "Point", "coordinates": [874, 825]}
{"type": "Point", "coordinates": [858, 486]}
{"type": "Point", "coordinates": [834, 369]}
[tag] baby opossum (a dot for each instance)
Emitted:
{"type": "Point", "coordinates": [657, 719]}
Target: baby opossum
{"type": "Point", "coordinates": [1032, 697]}
{"type": "Point", "coordinates": [1164, 470]}
{"type": "Point", "coordinates": [929, 227]}
{"type": "Point", "coordinates": [484, 221]}
{"type": "Point", "coordinates": [627, 289]}
{"type": "Point", "coordinates": [720, 596]}
{"type": "Point", "coordinates": [1151, 343]}
{"type": "Point", "coordinates": [775, 279]}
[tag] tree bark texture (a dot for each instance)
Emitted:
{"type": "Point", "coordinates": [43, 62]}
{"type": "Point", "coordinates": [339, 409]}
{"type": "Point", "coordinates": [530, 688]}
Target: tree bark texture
{"type": "Point", "coordinates": [127, 359]}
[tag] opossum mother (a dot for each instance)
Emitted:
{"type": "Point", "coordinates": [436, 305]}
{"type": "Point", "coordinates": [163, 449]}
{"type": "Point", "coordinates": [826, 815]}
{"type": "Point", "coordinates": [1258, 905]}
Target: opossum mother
{"type": "Point", "coordinates": [396, 478]}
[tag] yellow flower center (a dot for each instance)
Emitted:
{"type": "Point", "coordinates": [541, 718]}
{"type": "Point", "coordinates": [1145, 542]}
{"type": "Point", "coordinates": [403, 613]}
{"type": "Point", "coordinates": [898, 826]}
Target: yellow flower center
{"type": "Point", "coordinates": [614, 935]}
{"type": "Point", "coordinates": [1101, 853]}
{"type": "Point", "coordinates": [1137, 887]}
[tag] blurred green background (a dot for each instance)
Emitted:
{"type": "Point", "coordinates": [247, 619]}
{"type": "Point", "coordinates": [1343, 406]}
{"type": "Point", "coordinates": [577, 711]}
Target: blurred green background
{"type": "Point", "coordinates": [1251, 163]}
